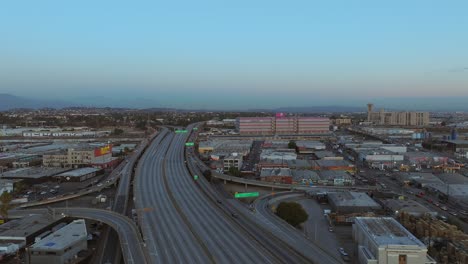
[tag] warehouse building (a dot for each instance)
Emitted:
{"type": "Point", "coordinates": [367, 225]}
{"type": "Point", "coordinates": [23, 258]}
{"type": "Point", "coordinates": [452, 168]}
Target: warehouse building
{"type": "Point", "coordinates": [78, 175]}
{"type": "Point", "coordinates": [382, 240]}
{"type": "Point", "coordinates": [335, 177]}
{"type": "Point", "coordinates": [309, 147]}
{"type": "Point", "coordinates": [62, 246]}
{"type": "Point", "coordinates": [304, 177]}
{"type": "Point", "coordinates": [18, 233]}
{"type": "Point", "coordinates": [225, 147]}
{"type": "Point", "coordinates": [411, 207]}
{"type": "Point", "coordinates": [280, 175]}
{"type": "Point", "coordinates": [338, 165]}
{"type": "Point", "coordinates": [352, 202]}
{"type": "Point", "coordinates": [278, 154]}
{"type": "Point", "coordinates": [33, 175]}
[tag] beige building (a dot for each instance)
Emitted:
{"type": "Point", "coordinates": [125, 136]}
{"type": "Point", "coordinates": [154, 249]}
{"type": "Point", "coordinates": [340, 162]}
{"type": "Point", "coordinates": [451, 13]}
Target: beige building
{"type": "Point", "coordinates": [79, 157]}
{"type": "Point", "coordinates": [397, 118]}
{"type": "Point", "coordinates": [382, 240]}
{"type": "Point", "coordinates": [341, 121]}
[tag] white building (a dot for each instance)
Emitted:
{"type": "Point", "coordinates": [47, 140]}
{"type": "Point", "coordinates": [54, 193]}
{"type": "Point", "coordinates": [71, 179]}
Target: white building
{"type": "Point", "coordinates": [62, 246]}
{"type": "Point", "coordinates": [382, 240]}
{"type": "Point", "coordinates": [233, 160]}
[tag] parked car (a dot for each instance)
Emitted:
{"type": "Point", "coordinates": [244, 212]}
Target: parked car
{"type": "Point", "coordinates": [443, 208]}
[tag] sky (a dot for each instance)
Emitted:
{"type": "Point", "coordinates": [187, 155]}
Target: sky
{"type": "Point", "coordinates": [231, 54]}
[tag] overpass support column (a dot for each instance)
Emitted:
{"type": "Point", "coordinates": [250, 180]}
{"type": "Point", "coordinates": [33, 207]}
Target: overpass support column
{"type": "Point", "coordinates": [224, 181]}
{"type": "Point", "coordinates": [245, 186]}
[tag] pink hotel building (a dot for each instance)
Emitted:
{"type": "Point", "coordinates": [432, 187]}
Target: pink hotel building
{"type": "Point", "coordinates": [282, 125]}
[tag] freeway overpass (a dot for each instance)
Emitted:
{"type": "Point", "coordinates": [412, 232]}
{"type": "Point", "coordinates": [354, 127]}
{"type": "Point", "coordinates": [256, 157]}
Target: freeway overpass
{"type": "Point", "coordinates": [132, 245]}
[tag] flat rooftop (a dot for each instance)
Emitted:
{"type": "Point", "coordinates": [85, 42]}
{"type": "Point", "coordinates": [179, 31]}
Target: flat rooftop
{"type": "Point", "coordinates": [387, 231]}
{"type": "Point", "coordinates": [63, 238]}
{"type": "Point", "coordinates": [408, 206]}
{"type": "Point", "coordinates": [357, 199]}
{"type": "Point", "coordinates": [21, 228]}
{"type": "Point", "coordinates": [32, 173]}
{"type": "Point", "coordinates": [78, 172]}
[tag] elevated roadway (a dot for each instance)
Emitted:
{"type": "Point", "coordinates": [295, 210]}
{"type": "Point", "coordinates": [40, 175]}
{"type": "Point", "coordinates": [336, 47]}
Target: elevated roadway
{"type": "Point", "coordinates": [132, 245]}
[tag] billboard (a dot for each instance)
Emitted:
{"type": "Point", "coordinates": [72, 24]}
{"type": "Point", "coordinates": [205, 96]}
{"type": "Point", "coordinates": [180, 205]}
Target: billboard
{"type": "Point", "coordinates": [103, 150]}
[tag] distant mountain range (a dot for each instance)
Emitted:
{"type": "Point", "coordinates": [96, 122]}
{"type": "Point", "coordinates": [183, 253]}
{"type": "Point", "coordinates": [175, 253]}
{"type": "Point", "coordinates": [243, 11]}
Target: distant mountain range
{"type": "Point", "coordinates": [9, 101]}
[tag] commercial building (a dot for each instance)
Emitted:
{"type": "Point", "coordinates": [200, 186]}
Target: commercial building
{"type": "Point", "coordinates": [425, 158]}
{"type": "Point", "coordinates": [335, 165]}
{"type": "Point", "coordinates": [397, 118]}
{"type": "Point", "coordinates": [458, 146]}
{"type": "Point", "coordinates": [78, 175]}
{"type": "Point", "coordinates": [382, 240]}
{"type": "Point", "coordinates": [281, 175]}
{"type": "Point", "coordinates": [83, 156]}
{"type": "Point", "coordinates": [281, 125]}
{"type": "Point", "coordinates": [62, 246]}
{"type": "Point", "coordinates": [352, 202]}
{"type": "Point", "coordinates": [341, 121]}
{"type": "Point", "coordinates": [304, 177]}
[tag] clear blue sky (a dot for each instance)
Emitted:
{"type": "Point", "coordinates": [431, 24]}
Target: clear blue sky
{"type": "Point", "coordinates": [259, 53]}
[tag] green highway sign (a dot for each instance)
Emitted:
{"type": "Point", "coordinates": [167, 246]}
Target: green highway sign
{"type": "Point", "coordinates": [195, 177]}
{"type": "Point", "coordinates": [181, 131]}
{"type": "Point", "coordinates": [195, 128]}
{"type": "Point", "coordinates": [245, 195]}
{"type": "Point", "coordinates": [189, 144]}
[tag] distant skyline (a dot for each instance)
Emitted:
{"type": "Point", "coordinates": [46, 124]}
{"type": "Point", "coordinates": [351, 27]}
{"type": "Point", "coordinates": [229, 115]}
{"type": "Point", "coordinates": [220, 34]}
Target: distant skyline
{"type": "Point", "coordinates": [237, 54]}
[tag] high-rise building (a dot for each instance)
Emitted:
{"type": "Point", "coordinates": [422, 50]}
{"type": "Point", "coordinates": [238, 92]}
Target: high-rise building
{"type": "Point", "coordinates": [397, 118]}
{"type": "Point", "coordinates": [281, 125]}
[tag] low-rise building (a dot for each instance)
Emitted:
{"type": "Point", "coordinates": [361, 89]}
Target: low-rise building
{"type": "Point", "coordinates": [278, 154]}
{"type": "Point", "coordinates": [304, 177]}
{"type": "Point", "coordinates": [339, 165]}
{"type": "Point", "coordinates": [382, 240]}
{"type": "Point", "coordinates": [6, 186]}
{"type": "Point", "coordinates": [411, 207]}
{"type": "Point", "coordinates": [78, 175]}
{"type": "Point", "coordinates": [78, 157]}
{"type": "Point", "coordinates": [33, 174]}
{"type": "Point", "coordinates": [233, 160]}
{"type": "Point", "coordinates": [62, 246]}
{"type": "Point", "coordinates": [280, 175]}
{"type": "Point", "coordinates": [309, 146]}
{"type": "Point", "coordinates": [352, 202]}
{"type": "Point", "coordinates": [335, 177]}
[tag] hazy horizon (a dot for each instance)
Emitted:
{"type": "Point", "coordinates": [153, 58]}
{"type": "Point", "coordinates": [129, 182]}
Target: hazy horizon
{"type": "Point", "coordinates": [256, 54]}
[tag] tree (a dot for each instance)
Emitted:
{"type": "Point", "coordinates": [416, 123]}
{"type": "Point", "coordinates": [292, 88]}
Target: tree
{"type": "Point", "coordinates": [5, 199]}
{"type": "Point", "coordinates": [207, 174]}
{"type": "Point", "coordinates": [292, 144]}
{"type": "Point", "coordinates": [141, 125]}
{"type": "Point", "coordinates": [292, 212]}
{"type": "Point", "coordinates": [234, 171]}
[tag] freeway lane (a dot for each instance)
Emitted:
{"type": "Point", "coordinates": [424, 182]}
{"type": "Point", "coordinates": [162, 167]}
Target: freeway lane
{"type": "Point", "coordinates": [226, 242]}
{"type": "Point", "coordinates": [109, 252]}
{"type": "Point", "coordinates": [168, 237]}
{"type": "Point", "coordinates": [131, 242]}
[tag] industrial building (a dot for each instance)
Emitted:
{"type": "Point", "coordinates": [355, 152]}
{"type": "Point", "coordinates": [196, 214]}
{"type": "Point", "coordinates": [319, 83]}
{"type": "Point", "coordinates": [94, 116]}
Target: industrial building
{"type": "Point", "coordinates": [397, 118]}
{"type": "Point", "coordinates": [83, 156]}
{"type": "Point", "coordinates": [382, 240]}
{"type": "Point", "coordinates": [458, 146]}
{"type": "Point", "coordinates": [352, 202]}
{"type": "Point", "coordinates": [225, 147]}
{"type": "Point", "coordinates": [278, 154]}
{"type": "Point", "coordinates": [62, 246]}
{"type": "Point", "coordinates": [304, 177]}
{"type": "Point", "coordinates": [32, 175]}
{"type": "Point", "coordinates": [18, 233]}
{"type": "Point", "coordinates": [335, 177]}
{"type": "Point", "coordinates": [411, 207]}
{"type": "Point", "coordinates": [280, 175]}
{"type": "Point", "coordinates": [281, 125]}
{"type": "Point", "coordinates": [309, 147]}
{"type": "Point", "coordinates": [335, 165]}
{"type": "Point", "coordinates": [427, 159]}
{"type": "Point", "coordinates": [78, 175]}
